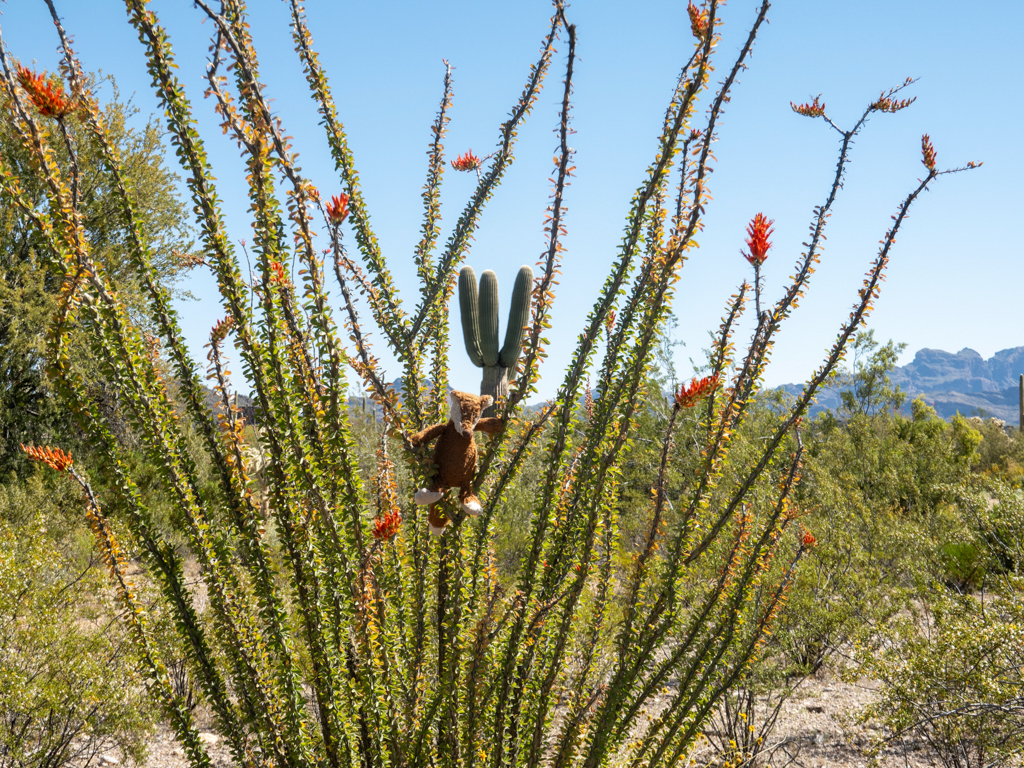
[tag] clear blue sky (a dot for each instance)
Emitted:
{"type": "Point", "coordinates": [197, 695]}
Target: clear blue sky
{"type": "Point", "coordinates": [956, 275]}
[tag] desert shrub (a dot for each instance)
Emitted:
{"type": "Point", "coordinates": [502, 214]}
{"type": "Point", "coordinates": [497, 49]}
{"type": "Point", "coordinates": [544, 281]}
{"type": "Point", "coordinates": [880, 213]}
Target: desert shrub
{"type": "Point", "coordinates": [1000, 452]}
{"type": "Point", "coordinates": [741, 731]}
{"type": "Point", "coordinates": [68, 688]}
{"type": "Point", "coordinates": [1001, 530]}
{"type": "Point", "coordinates": [885, 496]}
{"type": "Point", "coordinates": [951, 659]}
{"type": "Point", "coordinates": [954, 677]}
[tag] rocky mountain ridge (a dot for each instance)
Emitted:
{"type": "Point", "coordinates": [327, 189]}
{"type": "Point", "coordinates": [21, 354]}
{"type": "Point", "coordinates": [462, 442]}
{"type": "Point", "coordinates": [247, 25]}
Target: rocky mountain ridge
{"type": "Point", "coordinates": [963, 382]}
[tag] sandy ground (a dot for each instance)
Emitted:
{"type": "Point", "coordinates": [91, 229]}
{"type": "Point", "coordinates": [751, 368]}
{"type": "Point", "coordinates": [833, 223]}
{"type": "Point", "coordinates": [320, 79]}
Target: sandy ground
{"type": "Point", "coordinates": [165, 752]}
{"type": "Point", "coordinates": [817, 728]}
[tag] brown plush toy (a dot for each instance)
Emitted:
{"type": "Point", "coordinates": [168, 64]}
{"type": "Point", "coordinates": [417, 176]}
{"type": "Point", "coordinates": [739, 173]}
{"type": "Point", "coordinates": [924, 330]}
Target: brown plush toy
{"type": "Point", "coordinates": [455, 455]}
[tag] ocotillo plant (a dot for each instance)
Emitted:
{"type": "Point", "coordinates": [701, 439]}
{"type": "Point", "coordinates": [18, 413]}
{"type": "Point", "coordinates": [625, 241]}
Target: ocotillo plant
{"type": "Point", "coordinates": [480, 327]}
{"type": "Point", "coordinates": [339, 632]}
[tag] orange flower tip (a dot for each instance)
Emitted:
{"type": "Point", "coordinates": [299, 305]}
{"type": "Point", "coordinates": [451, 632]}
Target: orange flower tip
{"type": "Point", "coordinates": [278, 275]}
{"type": "Point", "coordinates": [221, 328]}
{"type": "Point", "coordinates": [758, 232]}
{"type": "Point", "coordinates": [928, 156]}
{"type": "Point", "coordinates": [698, 21]}
{"type": "Point", "coordinates": [55, 458]}
{"type": "Point", "coordinates": [808, 540]}
{"type": "Point", "coordinates": [813, 108]}
{"type": "Point", "coordinates": [691, 394]}
{"type": "Point", "coordinates": [337, 209]}
{"type": "Point", "coordinates": [387, 525]}
{"type": "Point", "coordinates": [46, 94]}
{"type": "Point", "coordinates": [467, 162]}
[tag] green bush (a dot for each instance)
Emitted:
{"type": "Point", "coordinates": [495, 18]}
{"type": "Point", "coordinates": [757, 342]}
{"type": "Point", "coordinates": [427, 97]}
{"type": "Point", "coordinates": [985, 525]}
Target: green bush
{"type": "Point", "coordinates": [955, 678]}
{"type": "Point", "coordinates": [1001, 452]}
{"type": "Point", "coordinates": [1002, 530]}
{"type": "Point", "coordinates": [963, 565]}
{"type": "Point", "coordinates": [30, 411]}
{"type": "Point", "coordinates": [885, 496]}
{"type": "Point", "coordinates": [68, 691]}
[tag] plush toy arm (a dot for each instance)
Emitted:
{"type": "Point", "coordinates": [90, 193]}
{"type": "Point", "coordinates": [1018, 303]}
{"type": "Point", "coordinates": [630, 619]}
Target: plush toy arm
{"type": "Point", "coordinates": [490, 425]}
{"type": "Point", "coordinates": [427, 435]}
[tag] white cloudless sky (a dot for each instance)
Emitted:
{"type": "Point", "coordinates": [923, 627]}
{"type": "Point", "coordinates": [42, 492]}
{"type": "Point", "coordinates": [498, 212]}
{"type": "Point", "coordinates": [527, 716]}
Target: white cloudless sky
{"type": "Point", "coordinates": [957, 272]}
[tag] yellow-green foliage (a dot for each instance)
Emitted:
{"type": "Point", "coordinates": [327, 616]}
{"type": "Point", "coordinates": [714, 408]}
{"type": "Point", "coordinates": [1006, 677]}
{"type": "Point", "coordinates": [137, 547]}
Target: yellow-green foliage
{"type": "Point", "coordinates": [955, 677]}
{"type": "Point", "coordinates": [68, 688]}
{"type": "Point", "coordinates": [29, 294]}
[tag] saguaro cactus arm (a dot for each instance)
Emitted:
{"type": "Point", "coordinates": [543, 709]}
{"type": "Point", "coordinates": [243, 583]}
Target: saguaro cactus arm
{"type": "Point", "coordinates": [470, 305]}
{"type": "Point", "coordinates": [518, 316]}
{"type": "Point", "coordinates": [489, 317]}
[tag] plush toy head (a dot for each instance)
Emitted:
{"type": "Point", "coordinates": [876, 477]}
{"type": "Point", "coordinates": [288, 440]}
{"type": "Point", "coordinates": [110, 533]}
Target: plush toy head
{"type": "Point", "coordinates": [466, 410]}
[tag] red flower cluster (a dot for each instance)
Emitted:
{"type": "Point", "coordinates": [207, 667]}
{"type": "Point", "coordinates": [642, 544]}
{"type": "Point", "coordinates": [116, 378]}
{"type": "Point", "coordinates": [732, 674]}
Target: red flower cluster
{"type": "Point", "coordinates": [927, 153]}
{"type": "Point", "coordinates": [808, 540]}
{"type": "Point", "coordinates": [758, 232]}
{"type": "Point", "coordinates": [691, 394]}
{"type": "Point", "coordinates": [387, 525]}
{"type": "Point", "coordinates": [698, 21]}
{"type": "Point", "coordinates": [54, 458]}
{"type": "Point", "coordinates": [46, 95]}
{"type": "Point", "coordinates": [811, 109]}
{"type": "Point", "coordinates": [220, 330]}
{"type": "Point", "coordinates": [278, 275]}
{"type": "Point", "coordinates": [337, 209]}
{"type": "Point", "coordinates": [609, 322]}
{"type": "Point", "coordinates": [466, 162]}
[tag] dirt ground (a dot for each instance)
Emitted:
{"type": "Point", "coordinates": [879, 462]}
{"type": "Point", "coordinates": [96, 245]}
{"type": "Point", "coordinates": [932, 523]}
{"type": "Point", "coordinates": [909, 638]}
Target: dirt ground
{"type": "Point", "coordinates": [818, 727]}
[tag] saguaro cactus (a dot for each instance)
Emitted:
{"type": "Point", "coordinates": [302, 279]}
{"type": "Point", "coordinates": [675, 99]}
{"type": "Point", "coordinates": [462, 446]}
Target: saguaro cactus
{"type": "Point", "coordinates": [480, 327]}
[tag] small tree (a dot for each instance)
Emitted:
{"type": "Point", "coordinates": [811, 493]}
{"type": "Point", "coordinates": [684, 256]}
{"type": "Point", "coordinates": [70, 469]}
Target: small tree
{"type": "Point", "coordinates": [866, 387]}
{"type": "Point", "coordinates": [340, 632]}
{"type": "Point", "coordinates": [29, 409]}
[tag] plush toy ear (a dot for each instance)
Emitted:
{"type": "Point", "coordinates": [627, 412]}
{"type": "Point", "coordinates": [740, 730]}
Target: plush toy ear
{"type": "Point", "coordinates": [486, 402]}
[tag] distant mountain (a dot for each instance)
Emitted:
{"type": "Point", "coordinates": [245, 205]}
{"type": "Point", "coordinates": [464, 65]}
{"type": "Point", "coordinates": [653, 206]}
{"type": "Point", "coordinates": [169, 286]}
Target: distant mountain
{"type": "Point", "coordinates": [964, 383]}
{"type": "Point", "coordinates": [936, 371]}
